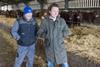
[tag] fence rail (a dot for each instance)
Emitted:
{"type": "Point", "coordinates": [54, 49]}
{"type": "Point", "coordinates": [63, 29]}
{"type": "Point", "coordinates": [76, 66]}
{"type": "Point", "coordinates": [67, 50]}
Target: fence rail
{"type": "Point", "coordinates": [84, 4]}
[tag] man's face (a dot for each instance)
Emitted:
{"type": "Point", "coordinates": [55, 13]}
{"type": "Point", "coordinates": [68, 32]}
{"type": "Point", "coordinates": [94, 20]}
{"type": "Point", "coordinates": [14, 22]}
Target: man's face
{"type": "Point", "coordinates": [54, 11]}
{"type": "Point", "coordinates": [28, 16]}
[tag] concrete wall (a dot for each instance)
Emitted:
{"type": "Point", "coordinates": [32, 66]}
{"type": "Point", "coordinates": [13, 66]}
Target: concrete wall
{"type": "Point", "coordinates": [35, 5]}
{"type": "Point", "coordinates": [71, 4]}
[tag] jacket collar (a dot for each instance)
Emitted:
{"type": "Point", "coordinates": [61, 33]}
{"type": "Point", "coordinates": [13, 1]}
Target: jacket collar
{"type": "Point", "coordinates": [51, 18]}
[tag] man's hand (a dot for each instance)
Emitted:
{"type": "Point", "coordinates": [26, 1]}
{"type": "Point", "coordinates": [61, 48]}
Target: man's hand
{"type": "Point", "coordinates": [40, 41]}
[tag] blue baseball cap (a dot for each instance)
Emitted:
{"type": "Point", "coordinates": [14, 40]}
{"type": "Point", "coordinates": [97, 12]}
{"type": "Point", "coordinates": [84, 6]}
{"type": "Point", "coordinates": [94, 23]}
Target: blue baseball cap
{"type": "Point", "coordinates": [27, 9]}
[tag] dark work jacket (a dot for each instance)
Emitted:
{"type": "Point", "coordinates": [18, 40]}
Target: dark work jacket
{"type": "Point", "coordinates": [27, 32]}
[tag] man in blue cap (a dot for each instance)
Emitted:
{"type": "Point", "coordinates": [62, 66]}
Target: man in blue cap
{"type": "Point", "coordinates": [24, 31]}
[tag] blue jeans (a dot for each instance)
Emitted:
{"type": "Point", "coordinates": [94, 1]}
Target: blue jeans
{"type": "Point", "coordinates": [22, 52]}
{"type": "Point", "coordinates": [63, 65]}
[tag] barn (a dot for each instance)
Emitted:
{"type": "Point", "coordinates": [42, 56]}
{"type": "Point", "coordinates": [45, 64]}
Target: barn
{"type": "Point", "coordinates": [82, 18]}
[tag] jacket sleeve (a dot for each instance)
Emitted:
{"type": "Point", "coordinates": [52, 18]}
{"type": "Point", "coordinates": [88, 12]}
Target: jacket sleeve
{"type": "Point", "coordinates": [66, 32]}
{"type": "Point", "coordinates": [42, 30]}
{"type": "Point", "coordinates": [14, 31]}
{"type": "Point", "coordinates": [36, 29]}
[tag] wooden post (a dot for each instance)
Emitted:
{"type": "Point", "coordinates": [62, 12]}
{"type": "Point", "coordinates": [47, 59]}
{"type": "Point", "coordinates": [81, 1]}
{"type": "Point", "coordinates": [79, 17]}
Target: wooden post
{"type": "Point", "coordinates": [66, 4]}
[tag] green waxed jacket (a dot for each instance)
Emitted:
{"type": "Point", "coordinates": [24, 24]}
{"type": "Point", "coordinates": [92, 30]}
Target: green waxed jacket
{"type": "Point", "coordinates": [54, 33]}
